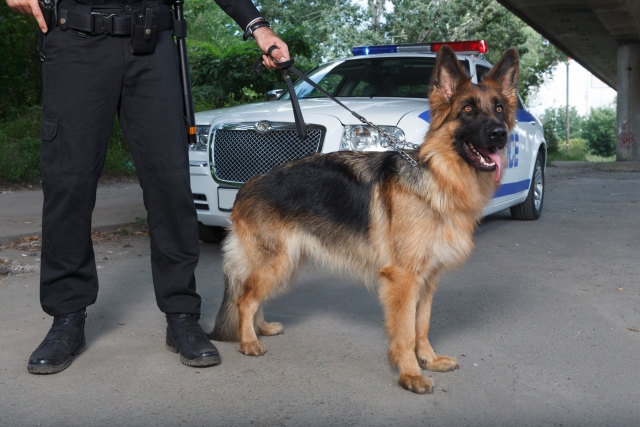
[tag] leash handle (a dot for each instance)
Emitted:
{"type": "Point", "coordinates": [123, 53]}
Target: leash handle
{"type": "Point", "coordinates": [258, 66]}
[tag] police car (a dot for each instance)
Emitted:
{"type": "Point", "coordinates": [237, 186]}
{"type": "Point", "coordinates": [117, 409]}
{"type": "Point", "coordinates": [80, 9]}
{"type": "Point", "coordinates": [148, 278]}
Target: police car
{"type": "Point", "coordinates": [388, 85]}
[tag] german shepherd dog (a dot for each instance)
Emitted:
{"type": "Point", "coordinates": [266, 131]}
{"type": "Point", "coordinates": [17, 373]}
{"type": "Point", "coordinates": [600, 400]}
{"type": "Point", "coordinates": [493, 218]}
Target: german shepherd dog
{"type": "Point", "coordinates": [397, 226]}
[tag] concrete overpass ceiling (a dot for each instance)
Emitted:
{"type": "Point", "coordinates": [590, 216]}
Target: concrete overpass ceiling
{"type": "Point", "coordinates": [588, 31]}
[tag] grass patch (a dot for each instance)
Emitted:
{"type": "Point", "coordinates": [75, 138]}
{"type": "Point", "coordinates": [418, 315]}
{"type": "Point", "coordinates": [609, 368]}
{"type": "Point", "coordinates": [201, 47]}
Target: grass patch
{"type": "Point", "coordinates": [20, 150]}
{"type": "Point", "coordinates": [578, 151]}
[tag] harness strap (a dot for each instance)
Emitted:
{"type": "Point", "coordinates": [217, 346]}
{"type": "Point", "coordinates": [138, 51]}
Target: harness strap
{"type": "Point", "coordinates": [100, 23]}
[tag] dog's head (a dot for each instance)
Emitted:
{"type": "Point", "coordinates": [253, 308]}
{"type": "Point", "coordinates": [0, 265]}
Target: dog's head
{"type": "Point", "coordinates": [478, 117]}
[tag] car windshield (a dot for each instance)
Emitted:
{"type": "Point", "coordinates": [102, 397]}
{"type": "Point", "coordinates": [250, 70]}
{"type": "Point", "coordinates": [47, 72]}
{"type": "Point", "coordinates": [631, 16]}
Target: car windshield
{"type": "Point", "coordinates": [406, 77]}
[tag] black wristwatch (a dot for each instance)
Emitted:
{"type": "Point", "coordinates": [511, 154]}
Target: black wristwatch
{"type": "Point", "coordinates": [253, 27]}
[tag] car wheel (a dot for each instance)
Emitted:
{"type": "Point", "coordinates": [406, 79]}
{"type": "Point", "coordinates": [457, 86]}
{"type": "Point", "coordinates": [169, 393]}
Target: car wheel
{"type": "Point", "coordinates": [531, 208]}
{"type": "Point", "coordinates": [210, 234]}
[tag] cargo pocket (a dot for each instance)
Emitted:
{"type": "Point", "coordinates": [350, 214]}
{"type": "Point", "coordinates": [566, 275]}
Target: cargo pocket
{"type": "Point", "coordinates": [50, 148]}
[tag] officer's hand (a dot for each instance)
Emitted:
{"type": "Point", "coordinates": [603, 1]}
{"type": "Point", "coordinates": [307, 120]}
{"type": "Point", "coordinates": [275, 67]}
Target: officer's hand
{"type": "Point", "coordinates": [267, 38]}
{"type": "Point", "coordinates": [29, 7]}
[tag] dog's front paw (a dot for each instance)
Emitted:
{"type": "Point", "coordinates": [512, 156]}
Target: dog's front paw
{"type": "Point", "coordinates": [252, 348]}
{"type": "Point", "coordinates": [439, 364]}
{"type": "Point", "coordinates": [416, 383]}
{"type": "Point", "coordinates": [273, 328]}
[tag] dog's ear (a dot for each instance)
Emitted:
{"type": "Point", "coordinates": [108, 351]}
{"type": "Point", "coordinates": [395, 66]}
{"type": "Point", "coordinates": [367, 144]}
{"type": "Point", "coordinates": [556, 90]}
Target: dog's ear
{"type": "Point", "coordinates": [447, 77]}
{"type": "Point", "coordinates": [506, 74]}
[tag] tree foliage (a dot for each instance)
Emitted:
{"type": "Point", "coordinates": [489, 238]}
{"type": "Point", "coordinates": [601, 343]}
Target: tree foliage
{"type": "Point", "coordinates": [316, 31]}
{"type": "Point", "coordinates": [600, 131]}
{"type": "Point", "coordinates": [322, 30]}
{"type": "Point", "coordinates": [551, 137]}
{"type": "Point", "coordinates": [556, 119]}
{"type": "Point", "coordinates": [20, 71]}
{"type": "Point", "coordinates": [416, 21]}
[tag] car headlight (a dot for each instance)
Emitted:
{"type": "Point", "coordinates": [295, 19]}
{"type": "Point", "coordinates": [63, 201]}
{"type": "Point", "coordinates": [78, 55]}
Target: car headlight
{"type": "Point", "coordinates": [202, 138]}
{"type": "Point", "coordinates": [365, 138]}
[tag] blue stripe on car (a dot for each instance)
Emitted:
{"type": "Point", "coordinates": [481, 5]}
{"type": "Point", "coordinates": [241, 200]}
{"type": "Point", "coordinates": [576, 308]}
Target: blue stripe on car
{"type": "Point", "coordinates": [524, 116]}
{"type": "Point", "coordinates": [426, 116]}
{"type": "Point", "coordinates": [512, 188]}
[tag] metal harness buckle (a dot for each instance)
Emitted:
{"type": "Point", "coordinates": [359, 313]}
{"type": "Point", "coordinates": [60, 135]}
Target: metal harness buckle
{"type": "Point", "coordinates": [102, 23]}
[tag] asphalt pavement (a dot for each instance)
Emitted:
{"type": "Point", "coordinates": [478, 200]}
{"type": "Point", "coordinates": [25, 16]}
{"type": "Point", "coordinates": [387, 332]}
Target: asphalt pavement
{"type": "Point", "coordinates": [544, 320]}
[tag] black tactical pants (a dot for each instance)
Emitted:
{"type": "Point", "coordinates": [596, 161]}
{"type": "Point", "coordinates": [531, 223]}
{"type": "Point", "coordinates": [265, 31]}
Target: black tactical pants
{"type": "Point", "coordinates": [87, 79]}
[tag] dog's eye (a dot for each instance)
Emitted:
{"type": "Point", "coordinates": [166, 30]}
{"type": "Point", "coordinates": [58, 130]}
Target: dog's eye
{"type": "Point", "coordinates": [468, 109]}
{"type": "Point", "coordinates": [499, 109]}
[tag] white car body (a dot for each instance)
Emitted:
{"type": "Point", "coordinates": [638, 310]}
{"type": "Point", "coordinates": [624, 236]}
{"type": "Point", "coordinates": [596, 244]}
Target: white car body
{"type": "Point", "coordinates": [214, 197]}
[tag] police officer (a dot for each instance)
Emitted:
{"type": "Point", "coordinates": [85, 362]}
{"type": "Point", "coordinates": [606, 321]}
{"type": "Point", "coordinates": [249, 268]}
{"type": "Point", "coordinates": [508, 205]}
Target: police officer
{"type": "Point", "coordinates": [91, 72]}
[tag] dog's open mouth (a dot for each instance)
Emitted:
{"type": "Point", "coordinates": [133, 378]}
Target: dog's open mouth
{"type": "Point", "coordinates": [484, 159]}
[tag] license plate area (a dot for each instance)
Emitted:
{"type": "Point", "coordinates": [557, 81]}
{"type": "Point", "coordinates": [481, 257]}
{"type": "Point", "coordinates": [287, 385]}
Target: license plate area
{"type": "Point", "coordinates": [226, 197]}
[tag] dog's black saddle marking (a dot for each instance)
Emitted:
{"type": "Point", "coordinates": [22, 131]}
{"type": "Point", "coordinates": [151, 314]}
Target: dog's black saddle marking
{"type": "Point", "coordinates": [326, 190]}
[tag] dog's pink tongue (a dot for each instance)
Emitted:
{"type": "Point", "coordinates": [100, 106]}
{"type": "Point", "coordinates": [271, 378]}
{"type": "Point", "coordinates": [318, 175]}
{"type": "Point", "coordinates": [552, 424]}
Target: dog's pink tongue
{"type": "Point", "coordinates": [495, 156]}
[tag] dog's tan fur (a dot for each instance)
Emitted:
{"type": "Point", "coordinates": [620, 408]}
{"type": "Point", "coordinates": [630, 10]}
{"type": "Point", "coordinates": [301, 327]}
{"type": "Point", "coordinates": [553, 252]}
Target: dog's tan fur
{"type": "Point", "coordinates": [421, 222]}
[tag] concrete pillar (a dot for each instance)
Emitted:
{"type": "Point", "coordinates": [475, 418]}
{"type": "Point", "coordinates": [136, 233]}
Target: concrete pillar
{"type": "Point", "coordinates": [628, 114]}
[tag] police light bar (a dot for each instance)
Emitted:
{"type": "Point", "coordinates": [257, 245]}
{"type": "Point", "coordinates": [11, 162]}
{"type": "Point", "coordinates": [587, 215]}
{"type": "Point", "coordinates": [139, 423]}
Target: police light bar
{"type": "Point", "coordinates": [470, 46]}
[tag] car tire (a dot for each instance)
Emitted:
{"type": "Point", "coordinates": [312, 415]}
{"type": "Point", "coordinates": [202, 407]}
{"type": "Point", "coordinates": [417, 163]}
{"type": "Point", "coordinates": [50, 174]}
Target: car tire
{"type": "Point", "coordinates": [531, 208]}
{"type": "Point", "coordinates": [209, 234]}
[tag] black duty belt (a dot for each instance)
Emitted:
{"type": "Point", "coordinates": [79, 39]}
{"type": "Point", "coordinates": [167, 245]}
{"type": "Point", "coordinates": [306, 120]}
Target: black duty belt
{"type": "Point", "coordinates": [102, 23]}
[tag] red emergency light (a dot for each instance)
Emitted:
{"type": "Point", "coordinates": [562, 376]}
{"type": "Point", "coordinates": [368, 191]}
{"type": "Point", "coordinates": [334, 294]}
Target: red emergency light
{"type": "Point", "coordinates": [479, 46]}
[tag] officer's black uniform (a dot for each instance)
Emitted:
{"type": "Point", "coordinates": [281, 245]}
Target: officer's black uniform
{"type": "Point", "coordinates": [87, 79]}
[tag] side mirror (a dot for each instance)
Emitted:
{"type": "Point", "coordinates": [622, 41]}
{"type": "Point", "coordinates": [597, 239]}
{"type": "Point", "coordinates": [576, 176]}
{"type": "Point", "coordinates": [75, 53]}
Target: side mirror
{"type": "Point", "coordinates": [274, 94]}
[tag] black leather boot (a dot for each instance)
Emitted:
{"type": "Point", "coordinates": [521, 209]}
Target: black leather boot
{"type": "Point", "coordinates": [64, 340]}
{"type": "Point", "coordinates": [185, 336]}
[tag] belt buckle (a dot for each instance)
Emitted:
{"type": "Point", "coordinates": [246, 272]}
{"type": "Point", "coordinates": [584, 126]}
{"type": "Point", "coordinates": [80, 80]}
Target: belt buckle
{"type": "Point", "coordinates": [102, 23]}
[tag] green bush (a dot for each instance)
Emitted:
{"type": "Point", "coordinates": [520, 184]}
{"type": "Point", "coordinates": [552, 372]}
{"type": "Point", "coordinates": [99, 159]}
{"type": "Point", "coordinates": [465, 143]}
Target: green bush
{"type": "Point", "coordinates": [222, 76]}
{"type": "Point", "coordinates": [20, 149]}
{"type": "Point", "coordinates": [556, 119]}
{"type": "Point", "coordinates": [551, 137]}
{"type": "Point", "coordinates": [20, 82]}
{"type": "Point", "coordinates": [600, 131]}
{"type": "Point", "coordinates": [578, 151]}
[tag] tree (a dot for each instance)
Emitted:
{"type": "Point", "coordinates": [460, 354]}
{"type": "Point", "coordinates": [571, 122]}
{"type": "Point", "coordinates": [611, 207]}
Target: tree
{"type": "Point", "coordinates": [600, 131]}
{"type": "Point", "coordinates": [551, 137]}
{"type": "Point", "coordinates": [556, 118]}
{"type": "Point", "coordinates": [440, 20]}
{"type": "Point", "coordinates": [332, 27]}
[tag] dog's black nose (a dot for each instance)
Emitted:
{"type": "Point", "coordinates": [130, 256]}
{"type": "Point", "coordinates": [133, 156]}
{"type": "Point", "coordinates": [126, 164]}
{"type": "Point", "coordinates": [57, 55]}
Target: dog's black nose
{"type": "Point", "coordinates": [498, 134]}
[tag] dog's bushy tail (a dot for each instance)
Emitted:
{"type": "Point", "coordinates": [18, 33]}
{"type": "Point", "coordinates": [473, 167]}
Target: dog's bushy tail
{"type": "Point", "coordinates": [236, 271]}
{"type": "Point", "coordinates": [226, 327]}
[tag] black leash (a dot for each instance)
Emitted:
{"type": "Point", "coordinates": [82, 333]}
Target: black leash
{"type": "Point", "coordinates": [286, 66]}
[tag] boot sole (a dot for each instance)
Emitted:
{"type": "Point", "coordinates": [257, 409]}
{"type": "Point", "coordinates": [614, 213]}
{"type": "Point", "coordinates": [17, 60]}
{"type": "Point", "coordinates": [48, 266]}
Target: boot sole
{"type": "Point", "coordinates": [198, 363]}
{"type": "Point", "coordinates": [46, 370]}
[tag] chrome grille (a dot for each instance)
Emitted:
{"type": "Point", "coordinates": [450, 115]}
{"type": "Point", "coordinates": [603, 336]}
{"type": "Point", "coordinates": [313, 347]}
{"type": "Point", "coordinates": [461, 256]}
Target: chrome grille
{"type": "Point", "coordinates": [240, 152]}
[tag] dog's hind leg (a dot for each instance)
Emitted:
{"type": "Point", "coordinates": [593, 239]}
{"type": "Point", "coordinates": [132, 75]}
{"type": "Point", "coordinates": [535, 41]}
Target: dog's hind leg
{"type": "Point", "coordinates": [262, 281]}
{"type": "Point", "coordinates": [399, 295]}
{"type": "Point", "coordinates": [266, 328]}
{"type": "Point", "coordinates": [427, 358]}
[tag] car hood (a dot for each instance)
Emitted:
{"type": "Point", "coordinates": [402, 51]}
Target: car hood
{"type": "Point", "coordinates": [381, 111]}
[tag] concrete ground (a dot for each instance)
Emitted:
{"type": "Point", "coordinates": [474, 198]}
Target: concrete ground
{"type": "Point", "coordinates": [544, 320]}
{"type": "Point", "coordinates": [117, 204]}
